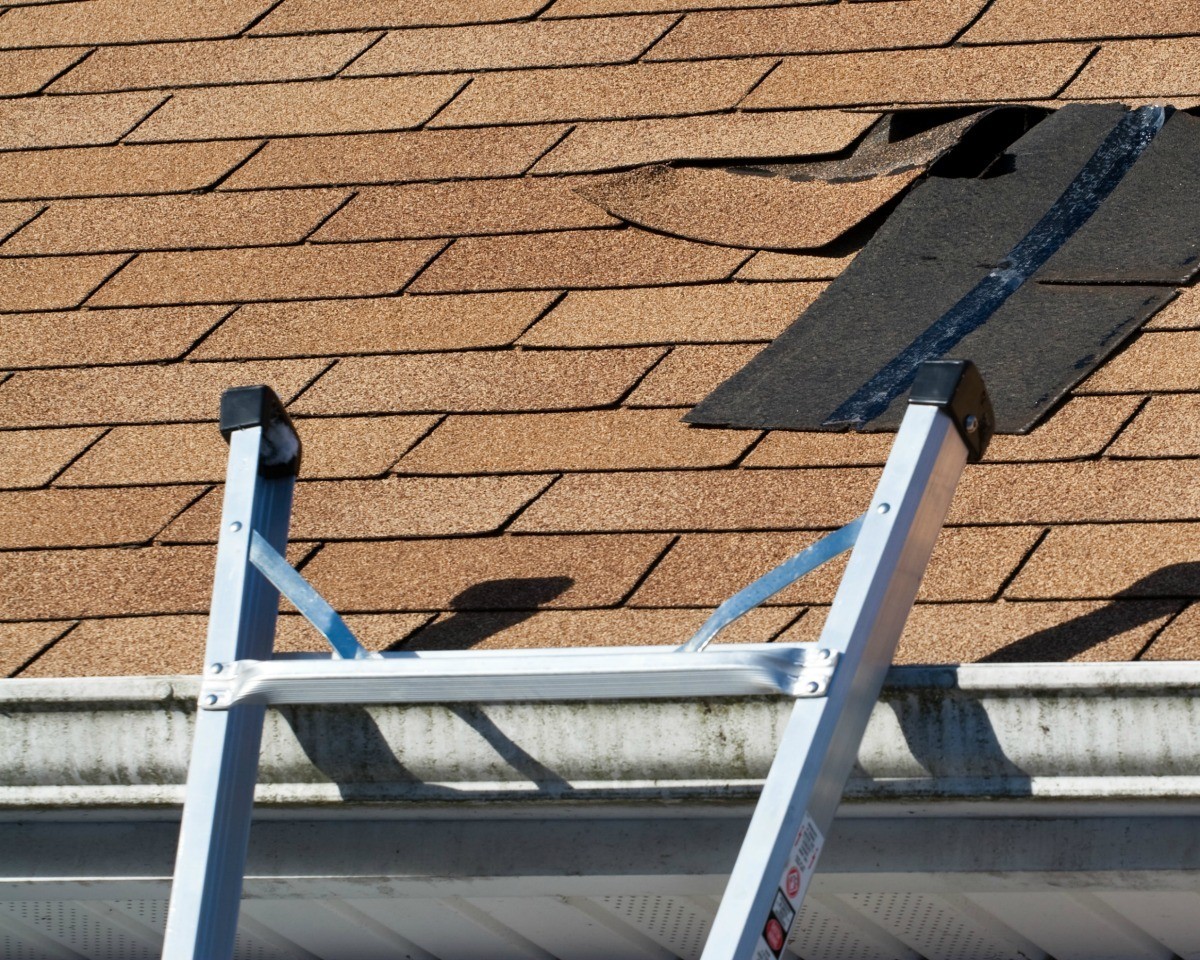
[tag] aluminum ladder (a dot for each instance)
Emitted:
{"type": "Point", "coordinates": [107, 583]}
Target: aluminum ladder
{"type": "Point", "coordinates": [834, 682]}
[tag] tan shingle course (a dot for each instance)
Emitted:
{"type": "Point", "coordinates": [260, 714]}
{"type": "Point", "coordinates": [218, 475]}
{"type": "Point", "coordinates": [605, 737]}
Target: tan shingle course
{"type": "Point", "coordinates": [590, 8]}
{"type": "Point", "coordinates": [126, 21]}
{"type": "Point", "coordinates": [478, 381]}
{"type": "Point", "coordinates": [52, 283]}
{"type": "Point", "coordinates": [27, 71]}
{"type": "Point", "coordinates": [689, 374]}
{"type": "Point", "coordinates": [1168, 426]}
{"type": "Point", "coordinates": [603, 93]}
{"type": "Point", "coordinates": [1154, 361]}
{"type": "Point", "coordinates": [88, 518]}
{"type": "Point", "coordinates": [31, 458]}
{"type": "Point", "coordinates": [303, 16]}
{"type": "Point", "coordinates": [540, 43]}
{"type": "Point", "coordinates": [21, 641]}
{"type": "Point", "coordinates": [72, 121]}
{"type": "Point", "coordinates": [267, 273]}
{"type": "Point", "coordinates": [1021, 21]}
{"type": "Point", "coordinates": [374, 325]}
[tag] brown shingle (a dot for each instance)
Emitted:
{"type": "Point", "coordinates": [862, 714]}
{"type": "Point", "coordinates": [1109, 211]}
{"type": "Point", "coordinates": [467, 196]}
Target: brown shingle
{"type": "Point", "coordinates": [384, 325]}
{"type": "Point", "coordinates": [148, 646]}
{"type": "Point", "coordinates": [27, 71]}
{"type": "Point", "coordinates": [700, 314]}
{"type": "Point", "coordinates": [20, 641]}
{"type": "Point", "coordinates": [117, 171]}
{"type": "Point", "coordinates": [817, 29]}
{"type": "Point", "coordinates": [169, 223]}
{"type": "Point", "coordinates": [785, 449]}
{"type": "Point", "coordinates": [267, 273]}
{"type": "Point", "coordinates": [1018, 21]}
{"type": "Point", "coordinates": [334, 447]}
{"type": "Point", "coordinates": [701, 501]}
{"type": "Point", "coordinates": [1103, 490]}
{"type": "Point", "coordinates": [15, 215]}
{"type": "Point", "coordinates": [730, 136]}
{"type": "Point", "coordinates": [118, 581]}
{"type": "Point", "coordinates": [1154, 361]}
{"type": "Point", "coordinates": [71, 121]}
{"type": "Point", "coordinates": [1168, 426]}
{"type": "Point", "coordinates": [126, 21]}
{"type": "Point", "coordinates": [589, 8]}
{"type": "Point", "coordinates": [31, 458]}
{"type": "Point", "coordinates": [771, 265]}
{"type": "Point", "coordinates": [1141, 68]}
{"type": "Point", "coordinates": [588, 628]}
{"type": "Point", "coordinates": [705, 569]}
{"type": "Point", "coordinates": [689, 374]}
{"type": "Point", "coordinates": [462, 208]}
{"type": "Point", "coordinates": [144, 394]}
{"type": "Point", "coordinates": [603, 93]}
{"type": "Point", "coordinates": [540, 43]}
{"type": "Point", "coordinates": [1182, 313]}
{"type": "Point", "coordinates": [595, 440]}
{"type": "Point", "coordinates": [88, 518]}
{"type": "Point", "coordinates": [313, 106]}
{"type": "Point", "coordinates": [396, 157]}
{"type": "Point", "coordinates": [575, 258]}
{"type": "Point", "coordinates": [1030, 632]}
{"type": "Point", "coordinates": [738, 210]}
{"type": "Point", "coordinates": [101, 336]}
{"type": "Point", "coordinates": [485, 381]}
{"type": "Point", "coordinates": [51, 283]}
{"type": "Point", "coordinates": [1129, 559]}
{"type": "Point", "coordinates": [388, 508]}
{"type": "Point", "coordinates": [492, 573]}
{"type": "Point", "coordinates": [303, 16]}
{"type": "Point", "coordinates": [246, 60]}
{"type": "Point", "coordinates": [1180, 640]}
{"type": "Point", "coordinates": [949, 75]}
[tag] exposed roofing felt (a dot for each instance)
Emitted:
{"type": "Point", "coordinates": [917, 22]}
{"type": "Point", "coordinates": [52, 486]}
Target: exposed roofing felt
{"type": "Point", "coordinates": [439, 230]}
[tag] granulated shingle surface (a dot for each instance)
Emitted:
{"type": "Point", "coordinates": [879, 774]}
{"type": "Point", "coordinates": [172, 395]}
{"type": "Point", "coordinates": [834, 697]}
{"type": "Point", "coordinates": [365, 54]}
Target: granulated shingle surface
{"type": "Point", "coordinates": [1015, 21]}
{"type": "Point", "coordinates": [737, 210]}
{"type": "Point", "coordinates": [952, 75]}
{"type": "Point", "coordinates": [80, 337]}
{"type": "Point", "coordinates": [382, 210]}
{"type": "Point", "coordinates": [575, 258]}
{"type": "Point", "coordinates": [462, 208]}
{"type": "Point", "coordinates": [592, 440]}
{"type": "Point", "coordinates": [727, 136]}
{"type": "Point", "coordinates": [700, 500]}
{"type": "Point", "coordinates": [118, 171]}
{"type": "Point", "coordinates": [689, 374]}
{"type": "Point", "coordinates": [56, 283]}
{"type": "Point", "coordinates": [601, 93]}
{"type": "Point", "coordinates": [27, 71]}
{"type": "Point", "coordinates": [21, 641]}
{"type": "Point", "coordinates": [823, 28]}
{"type": "Point", "coordinates": [141, 394]}
{"type": "Point", "coordinates": [302, 16]}
{"type": "Point", "coordinates": [485, 381]}
{"type": "Point", "coordinates": [699, 314]}
{"type": "Point", "coordinates": [175, 223]}
{"type": "Point", "coordinates": [245, 60]}
{"type": "Point", "coordinates": [396, 157]}
{"type": "Point", "coordinates": [546, 43]}
{"type": "Point", "coordinates": [495, 573]}
{"type": "Point", "coordinates": [31, 458]}
{"type": "Point", "coordinates": [267, 273]}
{"type": "Point", "coordinates": [126, 21]}
{"type": "Point", "coordinates": [1130, 560]}
{"type": "Point", "coordinates": [337, 106]}
{"type": "Point", "coordinates": [195, 453]}
{"type": "Point", "coordinates": [376, 325]}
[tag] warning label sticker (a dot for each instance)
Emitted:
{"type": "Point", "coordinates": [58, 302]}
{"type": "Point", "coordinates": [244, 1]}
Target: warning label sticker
{"type": "Point", "coordinates": [797, 872]}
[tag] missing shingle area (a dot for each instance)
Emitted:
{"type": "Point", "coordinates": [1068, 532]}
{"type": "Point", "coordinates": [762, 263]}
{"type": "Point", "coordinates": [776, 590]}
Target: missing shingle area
{"type": "Point", "coordinates": [1080, 299]}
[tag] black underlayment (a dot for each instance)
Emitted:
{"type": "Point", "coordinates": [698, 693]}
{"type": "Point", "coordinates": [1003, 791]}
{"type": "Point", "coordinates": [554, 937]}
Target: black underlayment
{"type": "Point", "coordinates": [1037, 269]}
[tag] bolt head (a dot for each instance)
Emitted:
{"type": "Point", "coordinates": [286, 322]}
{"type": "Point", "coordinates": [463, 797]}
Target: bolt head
{"type": "Point", "coordinates": [216, 667]}
{"type": "Point", "coordinates": [883, 508]}
{"type": "Point", "coordinates": [971, 424]}
{"type": "Point", "coordinates": [211, 700]}
{"type": "Point", "coordinates": [235, 526]}
{"type": "Point", "coordinates": [812, 686]}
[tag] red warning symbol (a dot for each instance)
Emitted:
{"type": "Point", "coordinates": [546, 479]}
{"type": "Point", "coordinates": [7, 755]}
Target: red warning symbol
{"type": "Point", "coordinates": [793, 883]}
{"type": "Point", "coordinates": [774, 935]}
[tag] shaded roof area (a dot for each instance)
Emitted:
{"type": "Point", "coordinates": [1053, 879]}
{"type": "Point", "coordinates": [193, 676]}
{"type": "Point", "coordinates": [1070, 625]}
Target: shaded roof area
{"type": "Point", "coordinates": [489, 266]}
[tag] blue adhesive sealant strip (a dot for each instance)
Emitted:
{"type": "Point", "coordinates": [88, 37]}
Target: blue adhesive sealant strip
{"type": "Point", "coordinates": [772, 582]}
{"type": "Point", "coordinates": [1083, 196]}
{"type": "Point", "coordinates": [306, 599]}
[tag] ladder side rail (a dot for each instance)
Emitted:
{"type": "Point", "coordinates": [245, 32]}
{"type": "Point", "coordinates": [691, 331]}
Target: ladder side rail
{"type": "Point", "coordinates": [214, 833]}
{"type": "Point", "coordinates": [820, 743]}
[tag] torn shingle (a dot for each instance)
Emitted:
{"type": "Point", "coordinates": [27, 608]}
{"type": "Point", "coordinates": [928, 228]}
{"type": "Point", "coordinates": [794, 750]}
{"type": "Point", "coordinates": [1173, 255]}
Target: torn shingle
{"type": "Point", "coordinates": [739, 210]}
